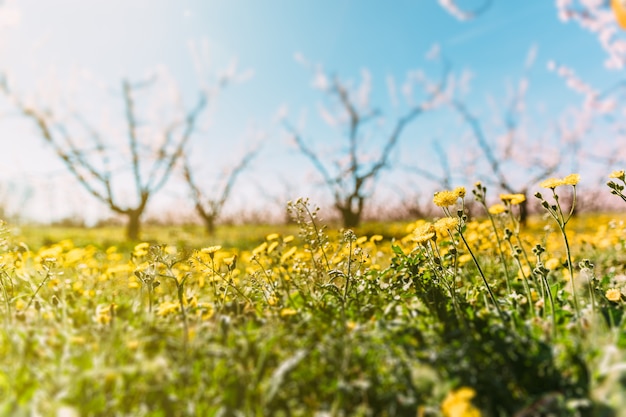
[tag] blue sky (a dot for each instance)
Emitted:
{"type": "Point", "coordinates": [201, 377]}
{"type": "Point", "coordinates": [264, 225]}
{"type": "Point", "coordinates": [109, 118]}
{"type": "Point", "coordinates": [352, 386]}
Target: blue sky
{"type": "Point", "coordinates": [47, 45]}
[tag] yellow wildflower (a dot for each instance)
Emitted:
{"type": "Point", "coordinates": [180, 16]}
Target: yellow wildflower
{"type": "Point", "coordinates": [287, 255]}
{"type": "Point", "coordinates": [551, 183]}
{"type": "Point", "coordinates": [141, 249]}
{"type": "Point", "coordinates": [497, 209]}
{"type": "Point", "coordinates": [285, 312]}
{"type": "Point", "coordinates": [446, 224]}
{"type": "Point", "coordinates": [552, 263]}
{"type": "Point", "coordinates": [571, 179]}
{"type": "Point", "coordinates": [423, 234]}
{"type": "Point", "coordinates": [445, 198]}
{"type": "Point", "coordinates": [376, 238]}
{"type": "Point", "coordinates": [361, 240]}
{"type": "Point", "coordinates": [272, 236]}
{"type": "Point", "coordinates": [271, 247]}
{"type": "Point", "coordinates": [259, 249]}
{"type": "Point", "coordinates": [288, 239]}
{"type": "Point", "coordinates": [460, 191]}
{"type": "Point", "coordinates": [618, 175]}
{"type": "Point", "coordinates": [613, 294]}
{"type": "Point", "coordinates": [458, 403]}
{"type": "Point", "coordinates": [513, 199]}
{"type": "Point", "coordinates": [211, 249]}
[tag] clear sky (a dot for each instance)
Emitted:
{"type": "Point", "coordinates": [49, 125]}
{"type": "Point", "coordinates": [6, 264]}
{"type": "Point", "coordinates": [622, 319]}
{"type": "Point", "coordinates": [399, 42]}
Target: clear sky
{"type": "Point", "coordinates": [78, 52]}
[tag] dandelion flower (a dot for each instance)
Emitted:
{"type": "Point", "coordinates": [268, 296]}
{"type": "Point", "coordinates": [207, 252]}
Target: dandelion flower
{"type": "Point", "coordinates": [445, 198]}
{"type": "Point", "coordinates": [272, 236]}
{"type": "Point", "coordinates": [497, 209]}
{"type": "Point", "coordinates": [613, 294]}
{"type": "Point", "coordinates": [571, 179]}
{"type": "Point", "coordinates": [551, 183]}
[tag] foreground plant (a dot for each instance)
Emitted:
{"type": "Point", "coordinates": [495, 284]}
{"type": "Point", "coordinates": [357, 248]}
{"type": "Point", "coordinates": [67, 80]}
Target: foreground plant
{"type": "Point", "coordinates": [616, 188]}
{"type": "Point", "coordinates": [562, 218]}
{"type": "Point", "coordinates": [445, 200]}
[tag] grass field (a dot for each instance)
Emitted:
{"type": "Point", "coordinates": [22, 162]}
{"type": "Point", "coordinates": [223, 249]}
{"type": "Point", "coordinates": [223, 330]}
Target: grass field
{"type": "Point", "coordinates": [449, 317]}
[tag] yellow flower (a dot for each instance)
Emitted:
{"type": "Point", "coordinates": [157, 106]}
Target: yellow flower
{"type": "Point", "coordinates": [287, 311]}
{"type": "Point", "coordinates": [458, 403]}
{"type": "Point", "coordinates": [552, 264]}
{"type": "Point", "coordinates": [571, 179]}
{"type": "Point", "coordinates": [513, 199]}
{"type": "Point", "coordinates": [271, 247]}
{"type": "Point", "coordinates": [141, 249]}
{"type": "Point", "coordinates": [423, 234]}
{"type": "Point", "coordinates": [445, 224]}
{"type": "Point", "coordinates": [618, 175]}
{"type": "Point", "coordinates": [259, 249]}
{"type": "Point", "coordinates": [376, 238]}
{"type": "Point", "coordinates": [613, 294]}
{"type": "Point", "coordinates": [497, 209]}
{"type": "Point", "coordinates": [272, 236]}
{"type": "Point", "coordinates": [445, 198]}
{"type": "Point", "coordinates": [287, 255]}
{"type": "Point", "coordinates": [211, 249]}
{"type": "Point", "coordinates": [460, 191]}
{"type": "Point", "coordinates": [551, 183]}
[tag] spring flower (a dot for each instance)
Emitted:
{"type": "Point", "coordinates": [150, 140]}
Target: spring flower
{"type": "Point", "coordinates": [571, 179]}
{"type": "Point", "coordinates": [497, 209]}
{"type": "Point", "coordinates": [446, 224]}
{"type": "Point", "coordinates": [445, 198]}
{"type": "Point", "coordinates": [551, 183]}
{"type": "Point", "coordinates": [423, 234]}
{"type": "Point", "coordinates": [613, 294]}
{"type": "Point", "coordinates": [211, 250]}
{"type": "Point", "coordinates": [460, 191]}
{"type": "Point", "coordinates": [272, 236]}
{"type": "Point", "coordinates": [287, 255]}
{"type": "Point", "coordinates": [513, 199]}
{"type": "Point", "coordinates": [458, 403]}
{"type": "Point", "coordinates": [618, 175]}
{"type": "Point", "coordinates": [287, 311]}
{"type": "Point", "coordinates": [259, 249]}
{"type": "Point", "coordinates": [141, 249]}
{"type": "Point", "coordinates": [376, 238]}
{"type": "Point", "coordinates": [271, 247]}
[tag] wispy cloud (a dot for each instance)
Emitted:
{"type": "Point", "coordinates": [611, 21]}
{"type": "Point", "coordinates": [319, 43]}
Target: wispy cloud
{"type": "Point", "coordinates": [484, 29]}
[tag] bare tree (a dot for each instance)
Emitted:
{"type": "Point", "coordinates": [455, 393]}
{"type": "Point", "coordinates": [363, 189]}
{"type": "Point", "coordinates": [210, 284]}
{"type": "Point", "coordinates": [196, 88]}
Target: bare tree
{"type": "Point", "coordinates": [354, 174]}
{"type": "Point", "coordinates": [89, 156]}
{"type": "Point", "coordinates": [511, 148]}
{"type": "Point", "coordinates": [209, 208]}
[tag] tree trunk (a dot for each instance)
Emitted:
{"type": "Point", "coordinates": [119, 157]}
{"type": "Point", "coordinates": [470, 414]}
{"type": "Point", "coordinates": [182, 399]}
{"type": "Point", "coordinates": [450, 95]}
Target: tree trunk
{"type": "Point", "coordinates": [523, 212]}
{"type": "Point", "coordinates": [134, 224]}
{"type": "Point", "coordinates": [350, 218]}
{"type": "Point", "coordinates": [209, 225]}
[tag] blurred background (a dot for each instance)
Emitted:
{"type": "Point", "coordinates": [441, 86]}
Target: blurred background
{"type": "Point", "coordinates": [171, 109]}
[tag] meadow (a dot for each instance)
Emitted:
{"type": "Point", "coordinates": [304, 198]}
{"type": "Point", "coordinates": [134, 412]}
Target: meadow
{"type": "Point", "coordinates": [438, 317]}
